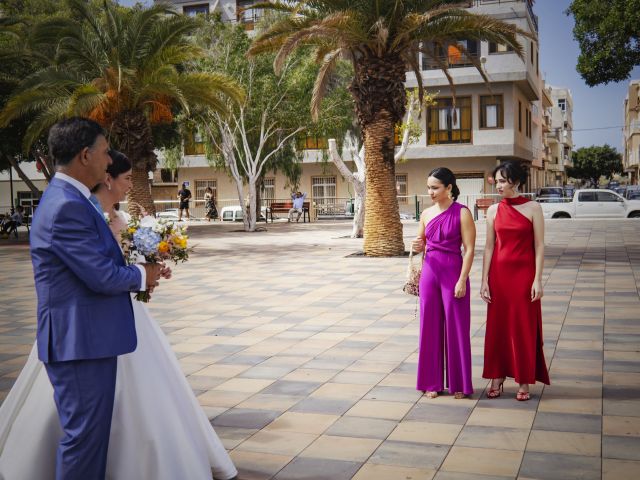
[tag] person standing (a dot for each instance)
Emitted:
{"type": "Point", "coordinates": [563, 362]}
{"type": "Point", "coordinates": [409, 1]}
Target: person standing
{"type": "Point", "coordinates": [512, 286]}
{"type": "Point", "coordinates": [445, 308]}
{"type": "Point", "coordinates": [210, 205]}
{"type": "Point", "coordinates": [85, 316]}
{"type": "Point", "coordinates": [184, 195]}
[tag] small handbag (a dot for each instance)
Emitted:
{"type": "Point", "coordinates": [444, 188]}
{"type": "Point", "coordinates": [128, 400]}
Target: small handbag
{"type": "Point", "coordinates": [412, 285]}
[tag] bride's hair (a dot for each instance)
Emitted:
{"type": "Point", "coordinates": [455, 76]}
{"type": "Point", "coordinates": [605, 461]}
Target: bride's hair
{"type": "Point", "coordinates": [120, 163]}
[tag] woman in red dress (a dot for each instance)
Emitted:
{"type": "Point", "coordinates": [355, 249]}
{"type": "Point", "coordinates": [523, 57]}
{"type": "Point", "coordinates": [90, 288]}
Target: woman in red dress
{"type": "Point", "coordinates": [512, 286]}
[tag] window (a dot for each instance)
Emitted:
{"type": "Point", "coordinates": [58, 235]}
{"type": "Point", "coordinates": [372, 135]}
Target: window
{"type": "Point", "coordinates": [323, 190]}
{"type": "Point", "coordinates": [532, 52]}
{"type": "Point", "coordinates": [453, 54]}
{"type": "Point", "coordinates": [538, 62]}
{"type": "Point", "coordinates": [401, 188]}
{"type": "Point", "coordinates": [193, 10]}
{"type": "Point", "coordinates": [491, 112]}
{"type": "Point", "coordinates": [247, 15]}
{"type": "Point", "coordinates": [447, 124]}
{"type": "Point", "coordinates": [587, 197]}
{"type": "Point", "coordinates": [607, 197]}
{"type": "Point", "coordinates": [201, 186]}
{"type": "Point", "coordinates": [269, 188]}
{"type": "Point", "coordinates": [527, 120]}
{"type": "Point", "coordinates": [562, 104]}
{"type": "Point", "coordinates": [311, 142]}
{"type": "Point", "coordinates": [28, 201]}
{"type": "Point", "coordinates": [194, 144]}
{"type": "Point", "coordinates": [499, 48]}
{"type": "Point", "coordinates": [519, 116]}
{"type": "Point", "coordinates": [168, 175]}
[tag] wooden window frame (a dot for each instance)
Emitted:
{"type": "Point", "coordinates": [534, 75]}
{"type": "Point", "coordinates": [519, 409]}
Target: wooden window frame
{"type": "Point", "coordinates": [468, 106]}
{"type": "Point", "coordinates": [481, 111]}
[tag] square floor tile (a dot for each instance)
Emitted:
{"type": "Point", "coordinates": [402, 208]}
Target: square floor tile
{"type": "Point", "coordinates": [425, 432]}
{"type": "Point", "coordinates": [549, 466]}
{"type": "Point", "coordinates": [494, 417]}
{"type": "Point", "coordinates": [278, 443]}
{"type": "Point", "coordinates": [406, 454]}
{"type": "Point", "coordinates": [379, 409]}
{"type": "Point", "coordinates": [621, 448]}
{"type": "Point", "coordinates": [433, 413]}
{"type": "Point", "coordinates": [500, 438]}
{"type": "Point", "coordinates": [619, 469]}
{"type": "Point", "coordinates": [302, 422]}
{"type": "Point", "coordinates": [362, 427]}
{"type": "Point", "coordinates": [258, 466]}
{"type": "Point", "coordinates": [245, 418]}
{"type": "Point", "coordinates": [621, 426]}
{"type": "Point", "coordinates": [568, 422]}
{"type": "Point", "coordinates": [568, 443]}
{"type": "Point", "coordinates": [303, 468]}
{"type": "Point", "coordinates": [371, 471]}
{"type": "Point", "coordinates": [342, 448]}
{"type": "Point", "coordinates": [483, 461]}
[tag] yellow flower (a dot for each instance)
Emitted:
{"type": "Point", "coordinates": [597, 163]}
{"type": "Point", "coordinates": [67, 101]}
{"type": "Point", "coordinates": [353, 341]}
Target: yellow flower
{"type": "Point", "coordinates": [132, 230]}
{"type": "Point", "coordinates": [180, 241]}
{"type": "Point", "coordinates": [163, 247]}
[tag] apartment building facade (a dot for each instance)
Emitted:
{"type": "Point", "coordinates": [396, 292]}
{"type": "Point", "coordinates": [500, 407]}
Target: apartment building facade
{"type": "Point", "coordinates": [559, 136]}
{"type": "Point", "coordinates": [504, 120]}
{"type": "Point", "coordinates": [631, 132]}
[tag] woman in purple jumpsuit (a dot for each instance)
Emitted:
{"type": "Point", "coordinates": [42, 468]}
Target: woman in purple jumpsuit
{"type": "Point", "coordinates": [445, 309]}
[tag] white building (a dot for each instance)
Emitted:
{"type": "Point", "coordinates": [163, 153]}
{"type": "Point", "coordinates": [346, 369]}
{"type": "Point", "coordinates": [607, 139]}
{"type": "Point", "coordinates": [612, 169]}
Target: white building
{"type": "Point", "coordinates": [10, 183]}
{"type": "Point", "coordinates": [559, 137]}
{"type": "Point", "coordinates": [502, 122]}
{"type": "Point", "coordinates": [631, 132]}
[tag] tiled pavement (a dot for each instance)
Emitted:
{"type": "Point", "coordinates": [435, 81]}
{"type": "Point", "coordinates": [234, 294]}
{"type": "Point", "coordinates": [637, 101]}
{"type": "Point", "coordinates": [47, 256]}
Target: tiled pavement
{"type": "Point", "coordinates": [304, 358]}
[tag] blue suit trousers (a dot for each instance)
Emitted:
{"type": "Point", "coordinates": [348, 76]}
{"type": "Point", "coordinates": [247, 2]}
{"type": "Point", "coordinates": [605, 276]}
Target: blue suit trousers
{"type": "Point", "coordinates": [84, 392]}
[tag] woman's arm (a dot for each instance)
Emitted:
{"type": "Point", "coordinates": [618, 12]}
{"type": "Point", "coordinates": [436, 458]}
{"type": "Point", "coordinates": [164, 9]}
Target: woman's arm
{"type": "Point", "coordinates": [488, 253]}
{"type": "Point", "coordinates": [468, 232]}
{"type": "Point", "coordinates": [538, 243]}
{"type": "Point", "coordinates": [419, 243]}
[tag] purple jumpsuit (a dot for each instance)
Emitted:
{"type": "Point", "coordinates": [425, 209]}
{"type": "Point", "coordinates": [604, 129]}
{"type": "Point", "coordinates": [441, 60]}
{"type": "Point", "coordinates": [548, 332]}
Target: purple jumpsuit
{"type": "Point", "coordinates": [445, 321]}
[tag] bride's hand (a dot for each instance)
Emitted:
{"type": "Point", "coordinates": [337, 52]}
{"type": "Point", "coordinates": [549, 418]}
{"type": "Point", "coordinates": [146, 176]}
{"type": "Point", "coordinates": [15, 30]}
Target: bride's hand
{"type": "Point", "coordinates": [165, 272]}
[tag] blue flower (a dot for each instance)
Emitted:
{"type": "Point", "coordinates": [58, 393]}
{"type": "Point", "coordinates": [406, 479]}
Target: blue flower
{"type": "Point", "coordinates": [146, 241]}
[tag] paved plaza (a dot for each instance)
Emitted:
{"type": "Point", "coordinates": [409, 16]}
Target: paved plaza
{"type": "Point", "coordinates": [304, 357]}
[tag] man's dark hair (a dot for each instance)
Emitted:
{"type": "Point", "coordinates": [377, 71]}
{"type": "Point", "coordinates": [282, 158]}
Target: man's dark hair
{"type": "Point", "coordinates": [20, 208]}
{"type": "Point", "coordinates": [68, 137]}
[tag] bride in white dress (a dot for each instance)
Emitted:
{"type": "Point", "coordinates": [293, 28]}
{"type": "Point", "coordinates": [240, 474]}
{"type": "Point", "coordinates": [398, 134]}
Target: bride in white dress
{"type": "Point", "coordinates": [158, 431]}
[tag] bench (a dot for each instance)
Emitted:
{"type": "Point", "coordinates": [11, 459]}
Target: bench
{"type": "Point", "coordinates": [482, 204]}
{"type": "Point", "coordinates": [284, 207]}
{"type": "Point", "coordinates": [26, 222]}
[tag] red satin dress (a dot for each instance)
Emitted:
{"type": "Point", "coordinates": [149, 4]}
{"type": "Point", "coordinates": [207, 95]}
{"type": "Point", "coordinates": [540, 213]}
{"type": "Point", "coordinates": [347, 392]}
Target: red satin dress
{"type": "Point", "coordinates": [513, 340]}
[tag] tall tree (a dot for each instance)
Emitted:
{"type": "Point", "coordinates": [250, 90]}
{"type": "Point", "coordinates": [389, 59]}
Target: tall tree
{"type": "Point", "coordinates": [259, 135]}
{"type": "Point", "coordinates": [590, 163]}
{"type": "Point", "coordinates": [124, 68]}
{"type": "Point", "coordinates": [608, 33]}
{"type": "Point", "coordinates": [382, 39]}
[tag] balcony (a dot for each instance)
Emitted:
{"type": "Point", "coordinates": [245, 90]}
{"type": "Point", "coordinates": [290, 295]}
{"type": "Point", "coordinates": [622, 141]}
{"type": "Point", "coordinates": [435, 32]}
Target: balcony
{"type": "Point", "coordinates": [528, 5]}
{"type": "Point", "coordinates": [452, 55]}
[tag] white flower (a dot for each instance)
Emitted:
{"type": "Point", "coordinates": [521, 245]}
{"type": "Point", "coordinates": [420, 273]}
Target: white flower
{"type": "Point", "coordinates": [148, 222]}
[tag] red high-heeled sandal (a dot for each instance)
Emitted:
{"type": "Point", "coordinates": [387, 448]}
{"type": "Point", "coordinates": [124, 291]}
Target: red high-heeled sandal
{"type": "Point", "coordinates": [522, 396]}
{"type": "Point", "coordinates": [496, 392]}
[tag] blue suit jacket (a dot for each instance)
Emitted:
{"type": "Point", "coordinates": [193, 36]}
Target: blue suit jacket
{"type": "Point", "coordinates": [82, 282]}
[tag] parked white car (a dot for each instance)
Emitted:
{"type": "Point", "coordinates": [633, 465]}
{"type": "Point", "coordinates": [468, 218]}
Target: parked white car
{"type": "Point", "coordinates": [234, 214]}
{"type": "Point", "coordinates": [593, 203]}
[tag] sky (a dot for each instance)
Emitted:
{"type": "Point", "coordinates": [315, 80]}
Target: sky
{"type": "Point", "coordinates": [594, 108]}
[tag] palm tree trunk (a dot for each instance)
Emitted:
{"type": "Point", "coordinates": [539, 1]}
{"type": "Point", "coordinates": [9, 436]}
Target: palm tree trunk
{"type": "Point", "coordinates": [140, 193]}
{"type": "Point", "coordinates": [382, 226]}
{"type": "Point", "coordinates": [131, 133]}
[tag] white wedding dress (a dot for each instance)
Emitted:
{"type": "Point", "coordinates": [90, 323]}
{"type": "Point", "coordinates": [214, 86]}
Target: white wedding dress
{"type": "Point", "coordinates": [158, 431]}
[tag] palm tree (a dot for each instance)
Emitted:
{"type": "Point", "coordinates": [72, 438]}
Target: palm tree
{"type": "Point", "coordinates": [383, 39]}
{"type": "Point", "coordinates": [124, 68]}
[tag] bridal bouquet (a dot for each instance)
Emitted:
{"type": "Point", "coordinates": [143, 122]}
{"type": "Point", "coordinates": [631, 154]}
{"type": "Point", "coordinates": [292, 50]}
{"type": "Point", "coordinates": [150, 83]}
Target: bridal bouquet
{"type": "Point", "coordinates": [151, 240]}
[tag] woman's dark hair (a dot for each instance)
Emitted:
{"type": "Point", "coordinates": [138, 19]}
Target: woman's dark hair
{"type": "Point", "coordinates": [513, 172]}
{"type": "Point", "coordinates": [68, 137]}
{"type": "Point", "coordinates": [208, 189]}
{"type": "Point", "coordinates": [120, 163]}
{"type": "Point", "coordinates": [447, 178]}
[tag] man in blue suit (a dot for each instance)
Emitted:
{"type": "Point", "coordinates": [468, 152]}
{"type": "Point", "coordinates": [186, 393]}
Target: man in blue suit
{"type": "Point", "coordinates": [85, 317]}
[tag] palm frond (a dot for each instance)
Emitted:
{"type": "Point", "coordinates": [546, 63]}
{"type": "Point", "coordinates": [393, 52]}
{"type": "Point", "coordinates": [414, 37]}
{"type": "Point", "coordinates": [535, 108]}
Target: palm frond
{"type": "Point", "coordinates": [322, 82]}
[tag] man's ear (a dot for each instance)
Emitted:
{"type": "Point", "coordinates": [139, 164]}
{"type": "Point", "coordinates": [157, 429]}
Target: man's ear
{"type": "Point", "coordinates": [84, 158]}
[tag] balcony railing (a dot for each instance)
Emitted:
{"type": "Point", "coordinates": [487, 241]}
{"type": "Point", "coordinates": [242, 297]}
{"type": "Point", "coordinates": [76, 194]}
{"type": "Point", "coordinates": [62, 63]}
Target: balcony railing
{"type": "Point", "coordinates": [528, 3]}
{"type": "Point", "coordinates": [451, 61]}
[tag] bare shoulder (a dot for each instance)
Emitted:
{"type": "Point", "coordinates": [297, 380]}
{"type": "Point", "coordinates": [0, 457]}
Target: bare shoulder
{"type": "Point", "coordinates": [465, 213]}
{"type": "Point", "coordinates": [427, 212]}
{"type": "Point", "coordinates": [493, 208]}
